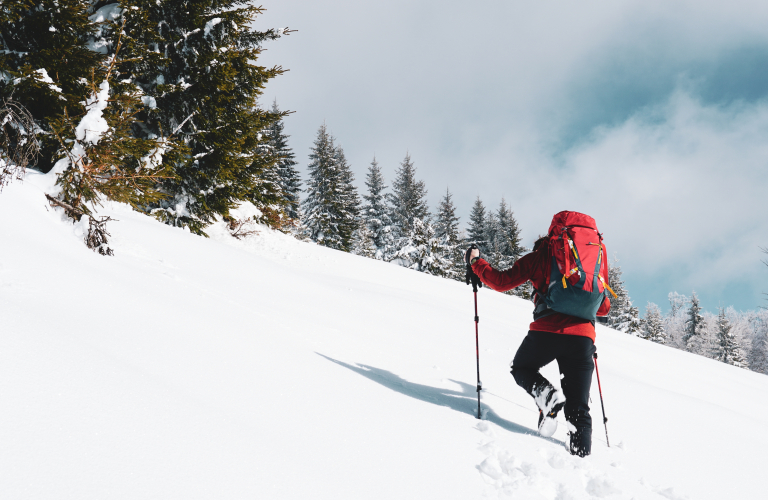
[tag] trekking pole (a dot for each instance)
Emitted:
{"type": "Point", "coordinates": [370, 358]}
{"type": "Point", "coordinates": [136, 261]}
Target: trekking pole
{"type": "Point", "coordinates": [475, 281]}
{"type": "Point", "coordinates": [477, 351]}
{"type": "Point", "coordinates": [605, 420]}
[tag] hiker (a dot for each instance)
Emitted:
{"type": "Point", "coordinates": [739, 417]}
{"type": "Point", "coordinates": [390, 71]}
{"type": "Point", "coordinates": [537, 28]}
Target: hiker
{"type": "Point", "coordinates": [569, 273]}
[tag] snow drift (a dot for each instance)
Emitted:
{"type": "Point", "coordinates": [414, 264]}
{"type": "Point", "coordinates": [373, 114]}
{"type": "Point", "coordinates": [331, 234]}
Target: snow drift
{"type": "Point", "coordinates": [194, 368]}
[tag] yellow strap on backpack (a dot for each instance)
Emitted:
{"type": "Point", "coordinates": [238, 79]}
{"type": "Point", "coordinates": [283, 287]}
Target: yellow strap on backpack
{"type": "Point", "coordinates": [607, 287]}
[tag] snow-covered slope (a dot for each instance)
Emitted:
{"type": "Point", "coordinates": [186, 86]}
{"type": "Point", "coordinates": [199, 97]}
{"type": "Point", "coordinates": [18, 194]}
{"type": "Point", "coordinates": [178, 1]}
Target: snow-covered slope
{"type": "Point", "coordinates": [186, 368]}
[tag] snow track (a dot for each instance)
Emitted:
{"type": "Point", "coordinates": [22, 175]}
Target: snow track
{"type": "Point", "coordinates": [194, 368]}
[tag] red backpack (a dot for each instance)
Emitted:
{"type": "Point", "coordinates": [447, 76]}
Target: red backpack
{"type": "Point", "coordinates": [577, 268]}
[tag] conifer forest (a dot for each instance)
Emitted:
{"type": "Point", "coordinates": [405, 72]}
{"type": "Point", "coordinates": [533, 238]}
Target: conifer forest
{"type": "Point", "coordinates": [158, 105]}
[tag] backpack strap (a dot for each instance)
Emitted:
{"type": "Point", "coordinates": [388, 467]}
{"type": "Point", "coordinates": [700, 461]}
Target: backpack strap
{"type": "Point", "coordinates": [600, 275]}
{"type": "Point", "coordinates": [541, 309]}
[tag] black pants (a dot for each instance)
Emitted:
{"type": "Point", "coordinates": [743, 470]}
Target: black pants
{"type": "Point", "coordinates": [574, 359]}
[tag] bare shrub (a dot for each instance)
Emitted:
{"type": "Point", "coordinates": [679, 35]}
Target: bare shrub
{"type": "Point", "coordinates": [96, 239]}
{"type": "Point", "coordinates": [241, 228]}
{"type": "Point", "coordinates": [19, 147]}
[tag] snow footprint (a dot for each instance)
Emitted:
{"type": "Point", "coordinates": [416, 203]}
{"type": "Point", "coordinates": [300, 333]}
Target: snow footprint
{"type": "Point", "coordinates": [509, 475]}
{"type": "Point", "coordinates": [601, 486]}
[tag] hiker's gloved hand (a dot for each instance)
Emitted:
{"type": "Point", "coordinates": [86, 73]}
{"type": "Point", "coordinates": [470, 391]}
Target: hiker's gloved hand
{"type": "Point", "coordinates": [471, 277]}
{"type": "Point", "coordinates": [471, 253]}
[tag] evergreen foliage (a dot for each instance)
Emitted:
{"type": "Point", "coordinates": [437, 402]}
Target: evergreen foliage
{"type": "Point", "coordinates": [408, 200]}
{"type": "Point", "coordinates": [727, 349]}
{"type": "Point", "coordinates": [504, 237]}
{"type": "Point", "coordinates": [202, 85]}
{"type": "Point", "coordinates": [363, 243]}
{"type": "Point", "coordinates": [491, 227]}
{"type": "Point", "coordinates": [622, 316]}
{"type": "Point", "coordinates": [421, 251]}
{"type": "Point", "coordinates": [506, 245]}
{"type": "Point", "coordinates": [477, 230]}
{"type": "Point", "coordinates": [653, 326]}
{"type": "Point", "coordinates": [635, 325]}
{"type": "Point", "coordinates": [375, 214]}
{"type": "Point", "coordinates": [447, 233]}
{"type": "Point", "coordinates": [331, 206]}
{"type": "Point", "coordinates": [758, 350]}
{"type": "Point", "coordinates": [288, 175]}
{"type": "Point", "coordinates": [182, 83]}
{"type": "Point", "coordinates": [46, 64]}
{"type": "Point", "coordinates": [446, 222]}
{"type": "Point", "coordinates": [694, 333]}
{"type": "Point", "coordinates": [674, 322]}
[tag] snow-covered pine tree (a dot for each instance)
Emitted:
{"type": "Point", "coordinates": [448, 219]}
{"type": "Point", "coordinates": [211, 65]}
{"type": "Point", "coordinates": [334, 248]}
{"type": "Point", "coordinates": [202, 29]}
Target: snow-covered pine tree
{"type": "Point", "coordinates": [476, 231]}
{"type": "Point", "coordinates": [491, 227]}
{"type": "Point", "coordinates": [506, 237]}
{"type": "Point", "coordinates": [758, 349]}
{"type": "Point", "coordinates": [374, 214]}
{"type": "Point", "coordinates": [88, 114]}
{"type": "Point", "coordinates": [653, 326]}
{"type": "Point", "coordinates": [726, 347]}
{"type": "Point", "coordinates": [508, 245]}
{"type": "Point", "coordinates": [674, 321]}
{"type": "Point", "coordinates": [330, 208]}
{"type": "Point", "coordinates": [635, 325]}
{"type": "Point", "coordinates": [363, 243]}
{"type": "Point", "coordinates": [407, 201]}
{"type": "Point", "coordinates": [694, 337]}
{"type": "Point", "coordinates": [447, 233]}
{"type": "Point", "coordinates": [289, 179]}
{"type": "Point", "coordinates": [621, 317]}
{"type": "Point", "coordinates": [422, 252]}
{"type": "Point", "coordinates": [46, 62]}
{"type": "Point", "coordinates": [202, 86]}
{"type": "Point", "coordinates": [349, 199]}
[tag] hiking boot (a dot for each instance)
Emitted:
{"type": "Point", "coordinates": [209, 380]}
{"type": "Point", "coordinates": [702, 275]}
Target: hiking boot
{"type": "Point", "coordinates": [553, 402]}
{"type": "Point", "coordinates": [579, 442]}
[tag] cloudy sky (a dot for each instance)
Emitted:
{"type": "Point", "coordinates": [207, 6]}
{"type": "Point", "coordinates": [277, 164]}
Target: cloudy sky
{"type": "Point", "coordinates": [649, 115]}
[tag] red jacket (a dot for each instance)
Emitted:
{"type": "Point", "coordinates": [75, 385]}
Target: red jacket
{"type": "Point", "coordinates": [532, 267]}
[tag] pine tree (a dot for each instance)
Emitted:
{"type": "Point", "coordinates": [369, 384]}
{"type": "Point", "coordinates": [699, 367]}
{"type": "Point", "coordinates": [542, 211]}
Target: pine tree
{"type": "Point", "coordinates": [447, 233]}
{"type": "Point", "coordinates": [758, 351]}
{"type": "Point", "coordinates": [363, 243]}
{"type": "Point", "coordinates": [674, 322]}
{"type": "Point", "coordinates": [421, 251]}
{"type": "Point", "coordinates": [622, 316]}
{"type": "Point", "coordinates": [694, 333]}
{"type": "Point", "coordinates": [202, 86]}
{"type": "Point", "coordinates": [446, 222]}
{"type": "Point", "coordinates": [407, 200]}
{"type": "Point", "coordinates": [504, 237]}
{"type": "Point", "coordinates": [635, 323]}
{"type": "Point", "coordinates": [289, 179]}
{"type": "Point", "coordinates": [184, 77]}
{"type": "Point", "coordinates": [653, 326]}
{"type": "Point", "coordinates": [87, 115]}
{"type": "Point", "coordinates": [331, 205]}
{"type": "Point", "coordinates": [46, 63]}
{"type": "Point", "coordinates": [375, 214]}
{"type": "Point", "coordinates": [508, 247]}
{"type": "Point", "coordinates": [491, 226]}
{"type": "Point", "coordinates": [477, 230]}
{"type": "Point", "coordinates": [727, 348]}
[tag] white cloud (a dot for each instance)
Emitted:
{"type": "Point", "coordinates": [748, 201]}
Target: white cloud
{"type": "Point", "coordinates": [486, 96]}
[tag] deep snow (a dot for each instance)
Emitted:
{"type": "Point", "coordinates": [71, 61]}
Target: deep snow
{"type": "Point", "coordinates": [187, 368]}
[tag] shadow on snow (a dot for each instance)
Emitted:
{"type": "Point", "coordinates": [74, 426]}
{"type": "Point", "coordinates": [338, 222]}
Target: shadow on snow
{"type": "Point", "coordinates": [462, 401]}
